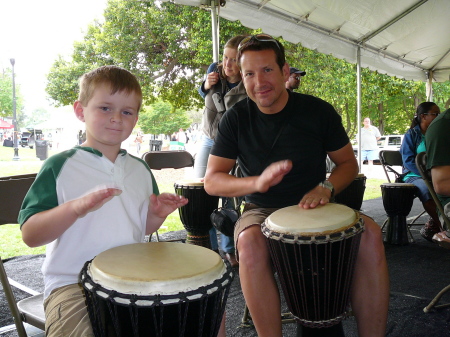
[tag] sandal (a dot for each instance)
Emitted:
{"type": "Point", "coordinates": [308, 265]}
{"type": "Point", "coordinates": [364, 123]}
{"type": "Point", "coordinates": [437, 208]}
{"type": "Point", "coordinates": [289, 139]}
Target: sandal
{"type": "Point", "coordinates": [429, 230]}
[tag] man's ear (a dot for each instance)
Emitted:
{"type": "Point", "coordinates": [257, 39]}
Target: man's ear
{"type": "Point", "coordinates": [79, 110]}
{"type": "Point", "coordinates": [286, 72]}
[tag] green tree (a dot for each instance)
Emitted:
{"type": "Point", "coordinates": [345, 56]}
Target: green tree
{"type": "Point", "coordinates": [6, 95]}
{"type": "Point", "coordinates": [162, 118]}
{"type": "Point", "coordinates": [167, 46]}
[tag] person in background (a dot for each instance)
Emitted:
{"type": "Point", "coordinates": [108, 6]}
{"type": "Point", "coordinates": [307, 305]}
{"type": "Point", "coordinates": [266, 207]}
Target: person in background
{"type": "Point", "coordinates": [221, 89]}
{"type": "Point", "coordinates": [79, 209]}
{"type": "Point", "coordinates": [437, 140]}
{"type": "Point", "coordinates": [414, 143]}
{"type": "Point", "coordinates": [279, 172]}
{"type": "Point", "coordinates": [138, 141]}
{"type": "Point", "coordinates": [369, 137]}
{"type": "Point", "coordinates": [294, 79]}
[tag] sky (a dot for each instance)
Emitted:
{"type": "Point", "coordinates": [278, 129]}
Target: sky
{"type": "Point", "coordinates": [34, 33]}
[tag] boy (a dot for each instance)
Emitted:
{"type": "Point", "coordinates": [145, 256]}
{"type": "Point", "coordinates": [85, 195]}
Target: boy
{"type": "Point", "coordinates": [92, 197]}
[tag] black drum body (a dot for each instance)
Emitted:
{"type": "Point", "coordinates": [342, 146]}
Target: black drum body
{"type": "Point", "coordinates": [353, 195]}
{"type": "Point", "coordinates": [397, 201]}
{"type": "Point", "coordinates": [195, 216]}
{"type": "Point", "coordinates": [316, 271]}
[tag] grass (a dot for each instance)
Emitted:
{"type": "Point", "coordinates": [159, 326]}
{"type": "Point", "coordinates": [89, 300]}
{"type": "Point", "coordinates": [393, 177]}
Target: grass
{"type": "Point", "coordinates": [12, 244]}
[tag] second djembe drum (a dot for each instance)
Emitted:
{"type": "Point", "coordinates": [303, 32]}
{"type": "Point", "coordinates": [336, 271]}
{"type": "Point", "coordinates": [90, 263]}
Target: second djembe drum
{"type": "Point", "coordinates": [314, 253]}
{"type": "Point", "coordinates": [195, 216]}
{"type": "Point", "coordinates": [353, 195]}
{"type": "Point", "coordinates": [397, 201]}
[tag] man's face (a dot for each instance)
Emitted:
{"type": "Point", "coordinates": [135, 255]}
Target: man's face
{"type": "Point", "coordinates": [294, 81]}
{"type": "Point", "coordinates": [264, 80]}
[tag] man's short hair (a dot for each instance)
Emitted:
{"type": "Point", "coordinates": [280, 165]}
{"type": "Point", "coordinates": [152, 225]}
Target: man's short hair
{"type": "Point", "coordinates": [262, 42]}
{"type": "Point", "coordinates": [117, 78]}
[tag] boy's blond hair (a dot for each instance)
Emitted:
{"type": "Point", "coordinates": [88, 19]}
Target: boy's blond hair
{"type": "Point", "coordinates": [117, 78]}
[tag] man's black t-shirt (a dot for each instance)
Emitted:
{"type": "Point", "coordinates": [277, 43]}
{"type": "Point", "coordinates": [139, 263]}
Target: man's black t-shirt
{"type": "Point", "coordinates": [311, 127]}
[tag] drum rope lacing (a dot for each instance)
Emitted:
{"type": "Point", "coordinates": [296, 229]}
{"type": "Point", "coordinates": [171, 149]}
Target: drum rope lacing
{"type": "Point", "coordinates": [114, 299]}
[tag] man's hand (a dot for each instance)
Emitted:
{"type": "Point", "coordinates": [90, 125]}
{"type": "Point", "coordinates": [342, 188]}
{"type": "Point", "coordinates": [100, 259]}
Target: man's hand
{"type": "Point", "coordinates": [272, 175]}
{"type": "Point", "coordinates": [317, 196]}
{"type": "Point", "coordinates": [93, 201]}
{"type": "Point", "coordinates": [165, 203]}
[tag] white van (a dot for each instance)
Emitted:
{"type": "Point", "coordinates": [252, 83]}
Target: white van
{"type": "Point", "coordinates": [386, 142]}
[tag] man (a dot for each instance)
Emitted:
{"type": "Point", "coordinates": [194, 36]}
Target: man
{"type": "Point", "coordinates": [437, 139]}
{"type": "Point", "coordinates": [369, 136]}
{"type": "Point", "coordinates": [294, 79]}
{"type": "Point", "coordinates": [285, 168]}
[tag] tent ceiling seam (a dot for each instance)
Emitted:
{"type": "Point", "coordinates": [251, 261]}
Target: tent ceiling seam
{"type": "Point", "coordinates": [333, 34]}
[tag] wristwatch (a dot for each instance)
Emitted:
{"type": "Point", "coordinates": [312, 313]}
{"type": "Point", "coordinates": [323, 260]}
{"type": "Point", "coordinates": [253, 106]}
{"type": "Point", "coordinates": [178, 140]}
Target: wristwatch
{"type": "Point", "coordinates": [329, 185]}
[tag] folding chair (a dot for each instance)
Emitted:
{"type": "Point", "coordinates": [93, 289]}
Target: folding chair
{"type": "Point", "coordinates": [158, 160]}
{"type": "Point", "coordinates": [388, 159]}
{"type": "Point", "coordinates": [421, 163]}
{"type": "Point", "coordinates": [29, 310]}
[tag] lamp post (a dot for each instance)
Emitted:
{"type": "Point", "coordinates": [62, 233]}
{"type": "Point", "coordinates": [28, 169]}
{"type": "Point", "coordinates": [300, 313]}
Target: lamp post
{"type": "Point", "coordinates": [16, 147]}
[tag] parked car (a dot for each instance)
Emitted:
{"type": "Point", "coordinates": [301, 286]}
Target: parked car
{"type": "Point", "coordinates": [386, 142]}
{"type": "Point", "coordinates": [29, 137]}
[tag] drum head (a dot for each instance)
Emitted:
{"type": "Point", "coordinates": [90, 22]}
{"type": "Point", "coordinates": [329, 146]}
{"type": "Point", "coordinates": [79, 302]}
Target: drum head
{"type": "Point", "coordinates": [190, 182]}
{"type": "Point", "coordinates": [322, 220]}
{"type": "Point", "coordinates": [163, 268]}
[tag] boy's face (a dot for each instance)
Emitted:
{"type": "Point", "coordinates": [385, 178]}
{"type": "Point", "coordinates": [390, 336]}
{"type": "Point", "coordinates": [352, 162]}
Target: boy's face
{"type": "Point", "coordinates": [109, 118]}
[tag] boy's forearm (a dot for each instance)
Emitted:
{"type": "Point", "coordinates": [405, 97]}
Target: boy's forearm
{"type": "Point", "coordinates": [153, 224]}
{"type": "Point", "coordinates": [45, 227]}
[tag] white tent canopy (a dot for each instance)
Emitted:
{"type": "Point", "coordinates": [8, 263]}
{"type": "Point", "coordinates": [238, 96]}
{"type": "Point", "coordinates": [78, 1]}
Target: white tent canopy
{"type": "Point", "coordinates": [404, 38]}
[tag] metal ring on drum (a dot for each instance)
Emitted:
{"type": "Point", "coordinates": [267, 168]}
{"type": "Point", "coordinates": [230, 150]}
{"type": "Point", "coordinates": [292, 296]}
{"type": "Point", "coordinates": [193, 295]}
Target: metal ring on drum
{"type": "Point", "coordinates": [314, 253]}
{"type": "Point", "coordinates": [397, 201]}
{"type": "Point", "coordinates": [195, 216]}
{"type": "Point", "coordinates": [353, 195]}
{"type": "Point", "coordinates": [156, 289]}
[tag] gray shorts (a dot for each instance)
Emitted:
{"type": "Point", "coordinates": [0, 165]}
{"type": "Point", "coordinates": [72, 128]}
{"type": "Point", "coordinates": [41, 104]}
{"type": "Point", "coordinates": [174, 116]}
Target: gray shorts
{"type": "Point", "coordinates": [66, 313]}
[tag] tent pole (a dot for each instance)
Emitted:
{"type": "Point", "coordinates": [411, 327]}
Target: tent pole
{"type": "Point", "coordinates": [429, 86]}
{"type": "Point", "coordinates": [358, 103]}
{"type": "Point", "coordinates": [215, 30]}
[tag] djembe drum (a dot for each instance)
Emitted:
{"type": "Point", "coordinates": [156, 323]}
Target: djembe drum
{"type": "Point", "coordinates": [397, 201]}
{"type": "Point", "coordinates": [314, 253]}
{"type": "Point", "coordinates": [353, 195]}
{"type": "Point", "coordinates": [195, 216]}
{"type": "Point", "coordinates": [156, 289]}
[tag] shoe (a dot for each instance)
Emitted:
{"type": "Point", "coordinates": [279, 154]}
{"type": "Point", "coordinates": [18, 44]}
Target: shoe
{"type": "Point", "coordinates": [429, 229]}
{"type": "Point", "coordinates": [232, 259]}
{"type": "Point", "coordinates": [442, 239]}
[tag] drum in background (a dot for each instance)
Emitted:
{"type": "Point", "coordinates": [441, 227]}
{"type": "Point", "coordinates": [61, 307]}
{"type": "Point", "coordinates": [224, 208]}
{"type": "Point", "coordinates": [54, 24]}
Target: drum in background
{"type": "Point", "coordinates": [195, 216]}
{"type": "Point", "coordinates": [397, 201]}
{"type": "Point", "coordinates": [353, 195]}
{"type": "Point", "coordinates": [314, 252]}
{"type": "Point", "coordinates": [156, 289]}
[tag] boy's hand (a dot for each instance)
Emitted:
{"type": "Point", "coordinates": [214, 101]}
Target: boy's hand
{"type": "Point", "coordinates": [165, 203]}
{"type": "Point", "coordinates": [94, 201]}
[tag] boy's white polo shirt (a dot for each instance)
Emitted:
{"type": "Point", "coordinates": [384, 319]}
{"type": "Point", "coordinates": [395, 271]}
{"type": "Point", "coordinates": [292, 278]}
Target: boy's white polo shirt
{"type": "Point", "coordinates": [122, 220]}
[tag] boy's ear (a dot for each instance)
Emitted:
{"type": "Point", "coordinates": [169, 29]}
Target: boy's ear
{"type": "Point", "coordinates": [79, 110]}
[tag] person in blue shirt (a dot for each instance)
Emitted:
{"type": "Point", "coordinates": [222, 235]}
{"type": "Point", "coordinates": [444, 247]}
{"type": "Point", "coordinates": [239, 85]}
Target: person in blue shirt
{"type": "Point", "coordinates": [414, 143]}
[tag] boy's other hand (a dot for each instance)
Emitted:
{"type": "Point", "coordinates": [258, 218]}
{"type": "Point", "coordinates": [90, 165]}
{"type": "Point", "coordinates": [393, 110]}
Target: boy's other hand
{"type": "Point", "coordinates": [165, 203]}
{"type": "Point", "coordinates": [94, 200]}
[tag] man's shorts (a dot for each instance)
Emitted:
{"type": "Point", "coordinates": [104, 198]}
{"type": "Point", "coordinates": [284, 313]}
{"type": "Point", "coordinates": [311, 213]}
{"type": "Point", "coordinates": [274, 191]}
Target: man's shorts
{"type": "Point", "coordinates": [66, 313]}
{"type": "Point", "coordinates": [369, 155]}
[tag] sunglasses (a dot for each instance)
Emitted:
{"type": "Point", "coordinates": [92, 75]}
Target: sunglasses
{"type": "Point", "coordinates": [259, 37]}
{"type": "Point", "coordinates": [296, 77]}
{"type": "Point", "coordinates": [432, 113]}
